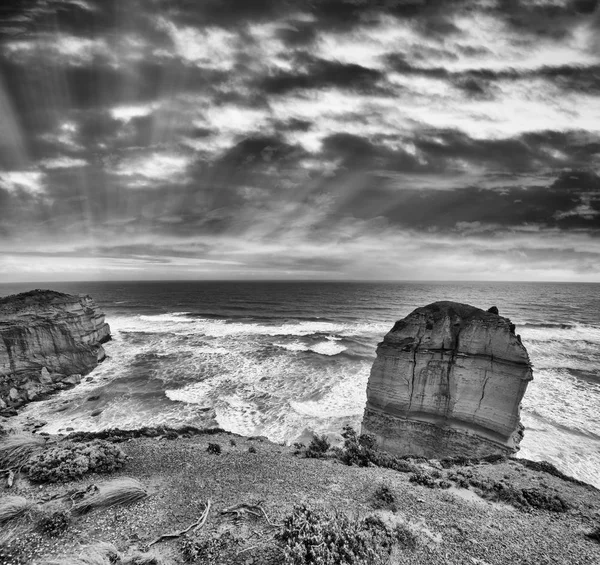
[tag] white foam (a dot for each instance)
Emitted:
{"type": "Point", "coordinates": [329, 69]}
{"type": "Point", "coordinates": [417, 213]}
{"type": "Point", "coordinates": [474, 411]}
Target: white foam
{"type": "Point", "coordinates": [197, 393]}
{"type": "Point", "coordinates": [173, 317]}
{"type": "Point", "coordinates": [329, 348]}
{"type": "Point", "coordinates": [575, 332]}
{"type": "Point", "coordinates": [346, 398]}
{"type": "Point", "coordinates": [179, 323]}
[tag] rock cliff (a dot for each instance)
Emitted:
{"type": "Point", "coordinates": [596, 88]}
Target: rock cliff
{"type": "Point", "coordinates": [448, 381]}
{"type": "Point", "coordinates": [47, 341]}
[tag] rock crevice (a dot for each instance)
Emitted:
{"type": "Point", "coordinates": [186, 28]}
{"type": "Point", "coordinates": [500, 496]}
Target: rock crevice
{"type": "Point", "coordinates": [48, 340]}
{"type": "Point", "coordinates": [448, 380]}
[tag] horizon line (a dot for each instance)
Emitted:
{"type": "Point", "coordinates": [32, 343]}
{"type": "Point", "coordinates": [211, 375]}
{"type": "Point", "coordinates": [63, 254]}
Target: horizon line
{"type": "Point", "coordinates": [313, 281]}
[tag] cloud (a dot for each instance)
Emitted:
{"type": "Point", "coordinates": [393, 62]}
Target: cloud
{"type": "Point", "coordinates": [334, 138]}
{"type": "Point", "coordinates": [28, 181]}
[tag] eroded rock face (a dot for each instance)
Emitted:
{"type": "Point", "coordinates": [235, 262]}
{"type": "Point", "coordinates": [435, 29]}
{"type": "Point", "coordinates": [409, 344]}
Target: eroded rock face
{"type": "Point", "coordinates": [447, 381]}
{"type": "Point", "coordinates": [47, 341]}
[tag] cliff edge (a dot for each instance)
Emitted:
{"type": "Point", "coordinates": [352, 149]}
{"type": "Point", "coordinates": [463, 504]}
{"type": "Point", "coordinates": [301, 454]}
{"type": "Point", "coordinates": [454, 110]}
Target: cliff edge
{"type": "Point", "coordinates": [448, 381]}
{"type": "Point", "coordinates": [47, 341]}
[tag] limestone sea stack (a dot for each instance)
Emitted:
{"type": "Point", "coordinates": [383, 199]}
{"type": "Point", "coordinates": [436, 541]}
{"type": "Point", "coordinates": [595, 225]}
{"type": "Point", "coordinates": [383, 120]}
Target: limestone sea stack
{"type": "Point", "coordinates": [448, 381]}
{"type": "Point", "coordinates": [48, 340]}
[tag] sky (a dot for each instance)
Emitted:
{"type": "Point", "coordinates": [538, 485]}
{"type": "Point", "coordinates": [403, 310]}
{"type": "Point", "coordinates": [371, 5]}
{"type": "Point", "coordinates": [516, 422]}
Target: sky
{"type": "Point", "coordinates": [316, 139]}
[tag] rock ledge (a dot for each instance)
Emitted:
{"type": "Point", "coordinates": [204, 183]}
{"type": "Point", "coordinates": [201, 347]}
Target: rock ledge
{"type": "Point", "coordinates": [48, 340]}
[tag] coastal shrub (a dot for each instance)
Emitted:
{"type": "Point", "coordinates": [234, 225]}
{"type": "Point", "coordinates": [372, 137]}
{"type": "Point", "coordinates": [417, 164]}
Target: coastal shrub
{"type": "Point", "coordinates": [546, 467]}
{"type": "Point", "coordinates": [299, 448]}
{"type": "Point", "coordinates": [71, 461]}
{"type": "Point", "coordinates": [116, 492]}
{"type": "Point", "coordinates": [538, 499]}
{"type": "Point", "coordinates": [384, 498]}
{"type": "Point", "coordinates": [12, 507]}
{"type": "Point", "coordinates": [362, 451]}
{"type": "Point", "coordinates": [458, 461]}
{"type": "Point", "coordinates": [208, 550]}
{"type": "Point", "coordinates": [313, 537]}
{"type": "Point", "coordinates": [214, 448]}
{"type": "Point", "coordinates": [461, 477]}
{"type": "Point", "coordinates": [423, 479]}
{"type": "Point", "coordinates": [318, 447]}
{"type": "Point", "coordinates": [16, 449]}
{"type": "Point", "coordinates": [429, 480]}
{"type": "Point", "coordinates": [524, 499]}
{"type": "Point", "coordinates": [52, 521]}
{"type": "Point", "coordinates": [357, 450]}
{"type": "Point", "coordinates": [252, 449]}
{"type": "Point", "coordinates": [594, 534]}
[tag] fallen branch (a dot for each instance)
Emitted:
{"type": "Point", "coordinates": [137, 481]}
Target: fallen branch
{"type": "Point", "coordinates": [237, 509]}
{"type": "Point", "coordinates": [196, 526]}
{"type": "Point", "coordinates": [247, 549]}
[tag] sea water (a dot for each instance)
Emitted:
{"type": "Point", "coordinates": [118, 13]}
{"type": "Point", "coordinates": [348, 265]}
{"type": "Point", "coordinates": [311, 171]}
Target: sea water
{"type": "Point", "coordinates": [283, 359]}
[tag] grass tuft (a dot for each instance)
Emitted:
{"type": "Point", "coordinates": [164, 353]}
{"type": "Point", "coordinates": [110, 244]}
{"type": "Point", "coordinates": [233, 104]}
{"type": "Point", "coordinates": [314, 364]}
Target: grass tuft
{"type": "Point", "coordinates": [52, 521]}
{"type": "Point", "coordinates": [12, 507]}
{"type": "Point", "coordinates": [97, 554]}
{"type": "Point", "coordinates": [16, 449]}
{"type": "Point", "coordinates": [106, 554]}
{"type": "Point", "coordinates": [116, 492]}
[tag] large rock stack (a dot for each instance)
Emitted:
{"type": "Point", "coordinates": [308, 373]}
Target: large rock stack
{"type": "Point", "coordinates": [448, 381]}
{"type": "Point", "coordinates": [48, 340]}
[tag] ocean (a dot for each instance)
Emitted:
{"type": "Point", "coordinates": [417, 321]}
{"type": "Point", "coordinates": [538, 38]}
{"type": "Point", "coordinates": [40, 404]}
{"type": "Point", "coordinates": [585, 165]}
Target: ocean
{"type": "Point", "coordinates": [285, 359]}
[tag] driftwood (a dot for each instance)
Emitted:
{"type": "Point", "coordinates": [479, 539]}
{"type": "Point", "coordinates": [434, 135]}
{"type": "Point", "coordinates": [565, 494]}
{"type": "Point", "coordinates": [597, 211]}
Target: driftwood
{"type": "Point", "coordinates": [11, 474]}
{"type": "Point", "coordinates": [239, 509]}
{"type": "Point", "coordinates": [196, 526]}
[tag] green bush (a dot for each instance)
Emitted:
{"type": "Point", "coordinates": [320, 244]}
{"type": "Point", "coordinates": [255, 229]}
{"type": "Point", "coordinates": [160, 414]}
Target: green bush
{"type": "Point", "coordinates": [423, 479]}
{"type": "Point", "coordinates": [384, 498]}
{"type": "Point", "coordinates": [310, 537]}
{"type": "Point", "coordinates": [429, 480]}
{"type": "Point", "coordinates": [71, 461]}
{"type": "Point", "coordinates": [362, 451]}
{"type": "Point", "coordinates": [52, 521]}
{"type": "Point", "coordinates": [214, 448]}
{"type": "Point", "coordinates": [318, 447]}
{"type": "Point", "coordinates": [207, 551]}
{"type": "Point", "coordinates": [524, 499]}
{"type": "Point", "coordinates": [594, 534]}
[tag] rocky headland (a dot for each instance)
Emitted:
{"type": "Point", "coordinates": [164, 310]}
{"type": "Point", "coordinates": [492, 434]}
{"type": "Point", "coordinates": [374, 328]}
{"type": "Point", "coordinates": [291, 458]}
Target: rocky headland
{"type": "Point", "coordinates": [448, 381]}
{"type": "Point", "coordinates": [48, 340]}
{"type": "Point", "coordinates": [164, 496]}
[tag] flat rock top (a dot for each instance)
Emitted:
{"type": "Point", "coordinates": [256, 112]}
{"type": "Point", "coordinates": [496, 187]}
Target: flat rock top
{"type": "Point", "coordinates": [459, 327]}
{"type": "Point", "coordinates": [444, 308]}
{"type": "Point", "coordinates": [28, 302]}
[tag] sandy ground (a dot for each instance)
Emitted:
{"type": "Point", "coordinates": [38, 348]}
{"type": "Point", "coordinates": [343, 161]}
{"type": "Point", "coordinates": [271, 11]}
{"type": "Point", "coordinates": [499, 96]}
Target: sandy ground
{"type": "Point", "coordinates": [453, 526]}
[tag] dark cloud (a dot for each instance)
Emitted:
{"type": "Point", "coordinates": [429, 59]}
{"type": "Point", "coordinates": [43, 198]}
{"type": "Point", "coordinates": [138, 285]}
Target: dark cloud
{"type": "Point", "coordinates": [440, 149]}
{"type": "Point", "coordinates": [185, 119]}
{"type": "Point", "coordinates": [320, 73]}
{"type": "Point", "coordinates": [565, 204]}
{"type": "Point", "coordinates": [297, 33]}
{"type": "Point", "coordinates": [359, 153]}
